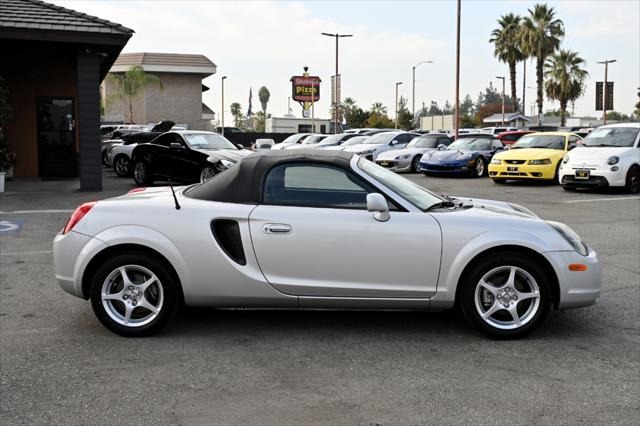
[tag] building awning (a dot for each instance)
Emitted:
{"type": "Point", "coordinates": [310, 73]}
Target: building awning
{"type": "Point", "coordinates": [508, 118]}
{"type": "Point", "coordinates": [166, 62]}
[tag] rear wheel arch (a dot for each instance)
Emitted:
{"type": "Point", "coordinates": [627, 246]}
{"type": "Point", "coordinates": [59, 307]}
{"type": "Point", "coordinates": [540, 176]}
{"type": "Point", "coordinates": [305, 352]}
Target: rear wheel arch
{"type": "Point", "coordinates": [513, 249]}
{"type": "Point", "coordinates": [95, 263]}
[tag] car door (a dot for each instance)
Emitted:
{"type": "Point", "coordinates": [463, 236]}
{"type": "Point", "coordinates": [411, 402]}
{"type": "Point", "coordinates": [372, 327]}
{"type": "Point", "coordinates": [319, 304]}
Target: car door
{"type": "Point", "coordinates": [313, 236]}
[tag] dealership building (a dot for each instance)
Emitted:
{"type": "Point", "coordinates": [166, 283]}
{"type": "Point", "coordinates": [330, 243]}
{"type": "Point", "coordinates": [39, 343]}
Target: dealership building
{"type": "Point", "coordinates": [53, 60]}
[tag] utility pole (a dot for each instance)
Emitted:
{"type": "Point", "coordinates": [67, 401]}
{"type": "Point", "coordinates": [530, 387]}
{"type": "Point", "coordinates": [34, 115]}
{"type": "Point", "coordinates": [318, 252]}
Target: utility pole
{"type": "Point", "coordinates": [457, 112]}
{"type": "Point", "coordinates": [524, 85]}
{"type": "Point", "coordinates": [313, 115]}
{"type": "Point", "coordinates": [289, 105]}
{"type": "Point", "coordinates": [337, 100]}
{"type": "Point", "coordinates": [397, 84]}
{"type": "Point", "coordinates": [222, 106]}
{"type": "Point", "coordinates": [413, 90]}
{"type": "Point", "coordinates": [502, 78]}
{"type": "Point", "coordinates": [604, 88]}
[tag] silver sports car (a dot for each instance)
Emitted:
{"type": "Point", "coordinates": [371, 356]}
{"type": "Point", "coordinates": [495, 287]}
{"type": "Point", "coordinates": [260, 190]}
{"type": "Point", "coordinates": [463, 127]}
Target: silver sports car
{"type": "Point", "coordinates": [407, 159]}
{"type": "Point", "coordinates": [319, 229]}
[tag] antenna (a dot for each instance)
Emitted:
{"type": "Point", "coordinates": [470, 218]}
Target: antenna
{"type": "Point", "coordinates": [175, 199]}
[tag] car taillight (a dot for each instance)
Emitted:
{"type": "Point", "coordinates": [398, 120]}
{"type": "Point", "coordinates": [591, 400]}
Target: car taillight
{"type": "Point", "coordinates": [134, 190]}
{"type": "Point", "coordinates": [78, 215]}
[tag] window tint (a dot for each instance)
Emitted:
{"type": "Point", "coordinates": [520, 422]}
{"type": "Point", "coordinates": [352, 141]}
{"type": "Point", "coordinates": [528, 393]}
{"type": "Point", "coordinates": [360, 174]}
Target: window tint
{"type": "Point", "coordinates": [164, 140]}
{"type": "Point", "coordinates": [314, 186]}
{"type": "Point", "coordinates": [444, 141]}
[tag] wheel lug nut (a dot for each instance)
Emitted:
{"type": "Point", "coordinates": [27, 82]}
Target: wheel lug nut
{"type": "Point", "coordinates": [139, 294]}
{"type": "Point", "coordinates": [125, 297]}
{"type": "Point", "coordinates": [135, 302]}
{"type": "Point", "coordinates": [131, 288]}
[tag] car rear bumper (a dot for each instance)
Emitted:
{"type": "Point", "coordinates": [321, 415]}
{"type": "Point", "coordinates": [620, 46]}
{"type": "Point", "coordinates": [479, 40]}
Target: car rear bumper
{"type": "Point", "coordinates": [577, 288]}
{"type": "Point", "coordinates": [522, 171]}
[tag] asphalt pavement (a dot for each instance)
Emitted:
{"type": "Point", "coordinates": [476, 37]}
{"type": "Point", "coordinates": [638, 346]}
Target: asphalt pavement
{"type": "Point", "coordinates": [59, 365]}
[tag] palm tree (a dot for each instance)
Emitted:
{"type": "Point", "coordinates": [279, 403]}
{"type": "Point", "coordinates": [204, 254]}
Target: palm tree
{"type": "Point", "coordinates": [378, 108]}
{"type": "Point", "coordinates": [264, 95]}
{"type": "Point", "coordinates": [348, 106]}
{"type": "Point", "coordinates": [260, 120]}
{"type": "Point", "coordinates": [565, 79]}
{"type": "Point", "coordinates": [130, 85]}
{"type": "Point", "coordinates": [337, 109]}
{"type": "Point", "coordinates": [236, 111]}
{"type": "Point", "coordinates": [506, 40]}
{"type": "Point", "coordinates": [541, 34]}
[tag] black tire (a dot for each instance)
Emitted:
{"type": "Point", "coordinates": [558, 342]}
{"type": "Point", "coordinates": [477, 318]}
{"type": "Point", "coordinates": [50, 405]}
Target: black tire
{"type": "Point", "coordinates": [104, 158]}
{"type": "Point", "coordinates": [415, 163]}
{"type": "Point", "coordinates": [426, 174]}
{"type": "Point", "coordinates": [170, 294]}
{"type": "Point", "coordinates": [632, 185]}
{"type": "Point", "coordinates": [556, 176]}
{"type": "Point", "coordinates": [142, 173]}
{"type": "Point", "coordinates": [467, 296]}
{"type": "Point", "coordinates": [122, 165]}
{"type": "Point", "coordinates": [499, 181]}
{"type": "Point", "coordinates": [477, 165]}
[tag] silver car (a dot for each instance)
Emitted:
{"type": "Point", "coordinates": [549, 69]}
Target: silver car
{"type": "Point", "coordinates": [408, 159]}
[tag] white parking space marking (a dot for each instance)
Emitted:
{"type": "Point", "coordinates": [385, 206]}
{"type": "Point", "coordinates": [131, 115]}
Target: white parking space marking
{"type": "Point", "coordinates": [36, 211]}
{"type": "Point", "coordinates": [26, 253]}
{"type": "Point", "coordinates": [6, 226]}
{"type": "Point", "coordinates": [588, 200]}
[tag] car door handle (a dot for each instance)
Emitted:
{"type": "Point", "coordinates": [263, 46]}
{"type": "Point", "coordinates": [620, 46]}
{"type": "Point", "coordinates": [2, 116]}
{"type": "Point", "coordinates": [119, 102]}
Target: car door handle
{"type": "Point", "coordinates": [276, 228]}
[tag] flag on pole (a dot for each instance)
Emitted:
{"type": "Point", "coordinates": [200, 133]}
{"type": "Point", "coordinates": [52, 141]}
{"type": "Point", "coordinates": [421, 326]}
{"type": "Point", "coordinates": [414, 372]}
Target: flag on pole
{"type": "Point", "coordinates": [249, 113]}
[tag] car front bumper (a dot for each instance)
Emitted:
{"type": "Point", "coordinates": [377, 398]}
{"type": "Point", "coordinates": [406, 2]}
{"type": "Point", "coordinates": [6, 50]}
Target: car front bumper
{"type": "Point", "coordinates": [598, 177]}
{"type": "Point", "coordinates": [577, 288]}
{"type": "Point", "coordinates": [452, 167]}
{"type": "Point", "coordinates": [522, 171]}
{"type": "Point", "coordinates": [395, 165]}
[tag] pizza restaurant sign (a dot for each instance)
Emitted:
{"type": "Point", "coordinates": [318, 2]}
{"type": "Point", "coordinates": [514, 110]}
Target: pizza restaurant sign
{"type": "Point", "coordinates": [305, 89]}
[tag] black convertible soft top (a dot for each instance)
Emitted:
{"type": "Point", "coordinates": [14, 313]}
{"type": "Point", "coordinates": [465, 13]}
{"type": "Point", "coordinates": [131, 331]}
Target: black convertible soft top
{"type": "Point", "coordinates": [243, 182]}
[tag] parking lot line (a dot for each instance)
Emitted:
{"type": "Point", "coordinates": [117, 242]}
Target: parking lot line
{"type": "Point", "coordinates": [36, 211]}
{"type": "Point", "coordinates": [587, 200]}
{"type": "Point", "coordinates": [26, 253]}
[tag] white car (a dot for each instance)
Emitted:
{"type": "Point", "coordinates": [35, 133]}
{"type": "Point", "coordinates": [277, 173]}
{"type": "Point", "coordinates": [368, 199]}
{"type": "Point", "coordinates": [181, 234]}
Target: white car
{"type": "Point", "coordinates": [319, 229]}
{"type": "Point", "coordinates": [608, 157]}
{"type": "Point", "coordinates": [291, 140]}
{"type": "Point", "coordinates": [496, 130]}
{"type": "Point", "coordinates": [381, 142]}
{"type": "Point", "coordinates": [310, 141]}
{"type": "Point", "coordinates": [352, 141]}
{"type": "Point", "coordinates": [263, 144]}
{"type": "Point", "coordinates": [119, 157]}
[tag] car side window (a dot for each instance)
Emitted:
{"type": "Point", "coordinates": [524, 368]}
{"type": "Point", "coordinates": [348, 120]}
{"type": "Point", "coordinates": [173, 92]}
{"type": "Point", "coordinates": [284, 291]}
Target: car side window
{"type": "Point", "coordinates": [573, 142]}
{"type": "Point", "coordinates": [314, 186]}
{"type": "Point", "coordinates": [496, 144]}
{"type": "Point", "coordinates": [164, 140]}
{"type": "Point", "coordinates": [444, 141]}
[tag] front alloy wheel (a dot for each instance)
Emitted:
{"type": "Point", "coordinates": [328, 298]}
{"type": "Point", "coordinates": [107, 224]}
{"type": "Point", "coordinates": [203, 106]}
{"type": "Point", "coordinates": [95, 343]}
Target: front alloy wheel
{"type": "Point", "coordinates": [479, 167]}
{"type": "Point", "coordinates": [121, 165]}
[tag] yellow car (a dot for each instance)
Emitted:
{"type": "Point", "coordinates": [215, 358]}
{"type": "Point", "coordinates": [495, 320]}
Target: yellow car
{"type": "Point", "coordinates": [533, 156]}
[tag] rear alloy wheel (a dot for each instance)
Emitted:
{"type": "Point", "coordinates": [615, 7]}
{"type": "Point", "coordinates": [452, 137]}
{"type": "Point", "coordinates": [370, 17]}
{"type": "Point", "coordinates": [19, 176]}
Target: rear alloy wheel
{"type": "Point", "coordinates": [133, 295]}
{"type": "Point", "coordinates": [142, 174]}
{"type": "Point", "coordinates": [207, 173]}
{"type": "Point", "coordinates": [121, 165]}
{"type": "Point", "coordinates": [505, 296]}
{"type": "Point", "coordinates": [415, 163]}
{"type": "Point", "coordinates": [633, 180]}
{"type": "Point", "coordinates": [479, 167]}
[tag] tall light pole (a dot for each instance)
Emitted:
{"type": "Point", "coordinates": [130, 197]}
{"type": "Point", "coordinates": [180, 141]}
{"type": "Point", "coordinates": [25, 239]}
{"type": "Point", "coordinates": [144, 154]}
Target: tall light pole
{"type": "Point", "coordinates": [502, 78]}
{"type": "Point", "coordinates": [397, 84]}
{"type": "Point", "coordinates": [222, 105]}
{"type": "Point", "coordinates": [413, 90]}
{"type": "Point", "coordinates": [604, 88]}
{"type": "Point", "coordinates": [337, 100]}
{"type": "Point", "coordinates": [456, 125]}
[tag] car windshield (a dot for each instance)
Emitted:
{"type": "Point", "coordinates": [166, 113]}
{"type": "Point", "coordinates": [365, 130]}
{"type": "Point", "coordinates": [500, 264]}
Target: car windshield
{"type": "Point", "coordinates": [292, 138]}
{"type": "Point", "coordinates": [313, 139]}
{"type": "Point", "coordinates": [612, 136]}
{"type": "Point", "coordinates": [471, 144]}
{"type": "Point", "coordinates": [540, 141]}
{"type": "Point", "coordinates": [356, 141]}
{"type": "Point", "coordinates": [420, 197]}
{"type": "Point", "coordinates": [423, 142]}
{"type": "Point", "coordinates": [381, 138]}
{"type": "Point", "coordinates": [332, 140]}
{"type": "Point", "coordinates": [208, 141]}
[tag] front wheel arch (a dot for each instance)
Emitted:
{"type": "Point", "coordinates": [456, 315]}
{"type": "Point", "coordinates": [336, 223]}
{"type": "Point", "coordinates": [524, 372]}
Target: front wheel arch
{"type": "Point", "coordinates": [511, 249]}
{"type": "Point", "coordinates": [95, 263]}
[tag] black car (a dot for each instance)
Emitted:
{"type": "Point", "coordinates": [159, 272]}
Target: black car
{"type": "Point", "coordinates": [184, 156]}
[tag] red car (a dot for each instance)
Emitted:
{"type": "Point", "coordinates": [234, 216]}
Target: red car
{"type": "Point", "coordinates": [509, 138]}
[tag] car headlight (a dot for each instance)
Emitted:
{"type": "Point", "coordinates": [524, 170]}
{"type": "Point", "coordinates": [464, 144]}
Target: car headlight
{"type": "Point", "coordinates": [227, 163]}
{"type": "Point", "coordinates": [496, 161]}
{"type": "Point", "coordinates": [403, 157]}
{"type": "Point", "coordinates": [471, 162]}
{"type": "Point", "coordinates": [565, 160]}
{"type": "Point", "coordinates": [613, 160]}
{"type": "Point", "coordinates": [538, 162]}
{"type": "Point", "coordinates": [570, 236]}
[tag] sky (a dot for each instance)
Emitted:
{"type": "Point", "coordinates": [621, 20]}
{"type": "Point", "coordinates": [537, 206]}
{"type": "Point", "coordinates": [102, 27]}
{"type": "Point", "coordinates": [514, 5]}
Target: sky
{"type": "Point", "coordinates": [265, 43]}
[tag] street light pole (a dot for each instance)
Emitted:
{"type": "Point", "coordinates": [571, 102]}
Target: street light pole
{"type": "Point", "coordinates": [413, 90]}
{"type": "Point", "coordinates": [604, 88]}
{"type": "Point", "coordinates": [457, 114]}
{"type": "Point", "coordinates": [502, 78]}
{"type": "Point", "coordinates": [337, 100]}
{"type": "Point", "coordinates": [397, 84]}
{"type": "Point", "coordinates": [222, 106]}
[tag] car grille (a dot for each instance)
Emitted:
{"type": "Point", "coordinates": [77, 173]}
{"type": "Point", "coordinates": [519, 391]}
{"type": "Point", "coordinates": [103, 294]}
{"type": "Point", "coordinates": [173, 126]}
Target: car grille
{"type": "Point", "coordinates": [593, 180]}
{"type": "Point", "coordinates": [385, 163]}
{"type": "Point", "coordinates": [514, 161]}
{"type": "Point", "coordinates": [438, 167]}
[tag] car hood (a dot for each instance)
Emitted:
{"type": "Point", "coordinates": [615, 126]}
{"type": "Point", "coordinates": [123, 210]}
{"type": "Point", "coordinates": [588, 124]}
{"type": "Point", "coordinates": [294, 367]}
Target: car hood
{"type": "Point", "coordinates": [448, 155]}
{"type": "Point", "coordinates": [225, 154]}
{"type": "Point", "coordinates": [497, 207]}
{"type": "Point", "coordinates": [597, 154]}
{"type": "Point", "coordinates": [530, 154]}
{"type": "Point", "coordinates": [390, 155]}
{"type": "Point", "coordinates": [362, 147]}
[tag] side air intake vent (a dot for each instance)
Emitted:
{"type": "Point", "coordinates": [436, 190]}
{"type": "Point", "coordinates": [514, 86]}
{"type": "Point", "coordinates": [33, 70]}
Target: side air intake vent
{"type": "Point", "coordinates": [227, 234]}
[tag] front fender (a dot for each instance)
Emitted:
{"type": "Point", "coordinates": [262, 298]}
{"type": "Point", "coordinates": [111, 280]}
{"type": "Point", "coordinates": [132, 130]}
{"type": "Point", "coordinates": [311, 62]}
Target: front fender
{"type": "Point", "coordinates": [456, 258]}
{"type": "Point", "coordinates": [151, 238]}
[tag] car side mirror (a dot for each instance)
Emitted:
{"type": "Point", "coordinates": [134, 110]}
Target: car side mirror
{"type": "Point", "coordinates": [441, 147]}
{"type": "Point", "coordinates": [377, 204]}
{"type": "Point", "coordinates": [176, 145]}
{"type": "Point", "coordinates": [239, 146]}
